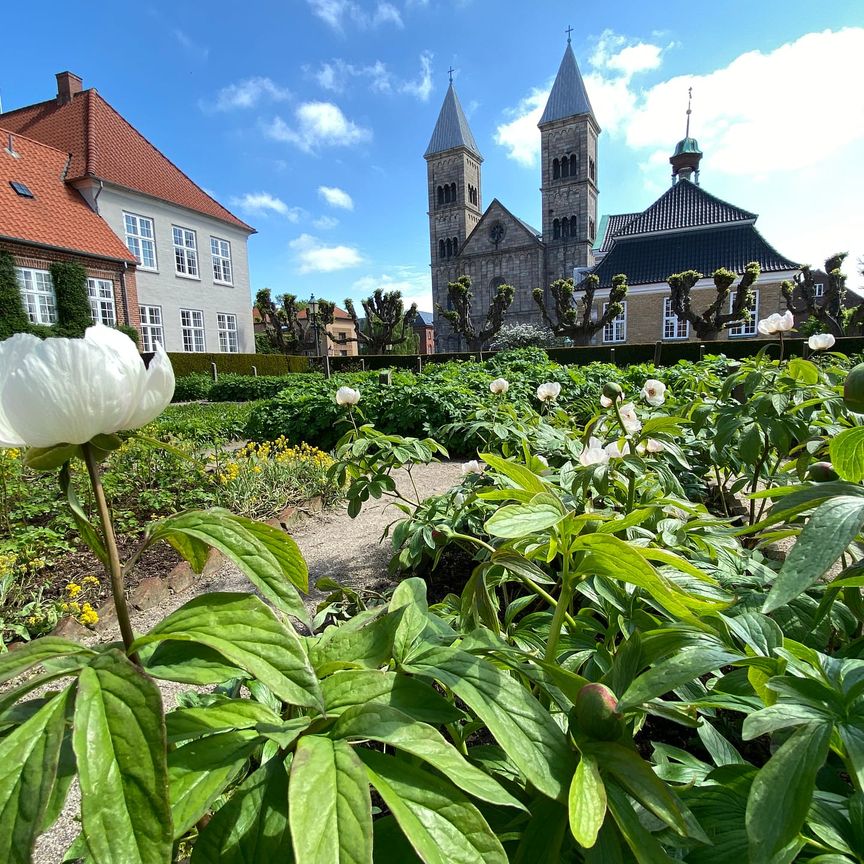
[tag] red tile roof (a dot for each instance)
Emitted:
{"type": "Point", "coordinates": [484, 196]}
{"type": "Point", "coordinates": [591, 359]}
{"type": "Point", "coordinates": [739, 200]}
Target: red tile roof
{"type": "Point", "coordinates": [106, 146]}
{"type": "Point", "coordinates": [56, 215]}
{"type": "Point", "coordinates": [337, 313]}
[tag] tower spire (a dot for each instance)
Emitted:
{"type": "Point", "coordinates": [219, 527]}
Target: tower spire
{"type": "Point", "coordinates": [685, 160]}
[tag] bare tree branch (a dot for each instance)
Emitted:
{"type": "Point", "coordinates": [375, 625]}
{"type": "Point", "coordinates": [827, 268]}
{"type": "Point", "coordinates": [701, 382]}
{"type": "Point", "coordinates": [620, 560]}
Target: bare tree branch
{"type": "Point", "coordinates": [386, 318]}
{"type": "Point", "coordinates": [832, 311]}
{"type": "Point", "coordinates": [459, 316]}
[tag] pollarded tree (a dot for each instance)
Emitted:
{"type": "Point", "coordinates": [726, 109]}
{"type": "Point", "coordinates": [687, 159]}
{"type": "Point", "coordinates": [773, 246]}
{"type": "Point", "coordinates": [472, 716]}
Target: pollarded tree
{"type": "Point", "coordinates": [387, 321]}
{"type": "Point", "coordinates": [287, 330]}
{"type": "Point", "coordinates": [459, 315]}
{"type": "Point", "coordinates": [575, 303]}
{"type": "Point", "coordinates": [273, 320]}
{"type": "Point", "coordinates": [13, 316]}
{"type": "Point", "coordinates": [830, 310]}
{"type": "Point", "coordinates": [712, 321]}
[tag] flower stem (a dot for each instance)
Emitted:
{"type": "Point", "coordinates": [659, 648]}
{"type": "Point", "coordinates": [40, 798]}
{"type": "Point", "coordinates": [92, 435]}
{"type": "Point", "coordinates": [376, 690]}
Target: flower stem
{"type": "Point", "coordinates": [114, 568]}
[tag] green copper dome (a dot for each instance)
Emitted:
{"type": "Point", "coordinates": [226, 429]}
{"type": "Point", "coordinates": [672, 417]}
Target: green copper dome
{"type": "Point", "coordinates": [687, 145]}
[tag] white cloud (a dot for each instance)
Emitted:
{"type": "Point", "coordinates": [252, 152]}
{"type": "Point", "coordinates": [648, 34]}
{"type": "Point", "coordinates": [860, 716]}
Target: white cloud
{"type": "Point", "coordinates": [336, 13]}
{"type": "Point", "coordinates": [249, 93]}
{"type": "Point", "coordinates": [422, 86]}
{"type": "Point", "coordinates": [521, 136]}
{"type": "Point", "coordinates": [325, 223]}
{"type": "Point", "coordinates": [617, 53]}
{"type": "Point", "coordinates": [314, 257]}
{"type": "Point", "coordinates": [319, 124]}
{"type": "Point", "coordinates": [194, 49]}
{"type": "Point", "coordinates": [335, 74]}
{"type": "Point", "coordinates": [264, 203]}
{"type": "Point", "coordinates": [336, 197]}
{"type": "Point", "coordinates": [414, 285]}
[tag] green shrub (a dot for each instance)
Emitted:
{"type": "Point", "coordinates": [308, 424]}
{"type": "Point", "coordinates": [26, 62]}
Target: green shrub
{"type": "Point", "coordinates": [238, 364]}
{"type": "Point", "coordinates": [130, 331]}
{"type": "Point", "coordinates": [245, 388]}
{"type": "Point", "coordinates": [191, 388]}
{"type": "Point", "coordinates": [73, 303]}
{"type": "Point", "coordinates": [13, 317]}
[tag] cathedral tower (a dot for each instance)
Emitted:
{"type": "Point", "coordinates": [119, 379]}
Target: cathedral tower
{"type": "Point", "coordinates": [453, 180]}
{"type": "Point", "coordinates": [568, 142]}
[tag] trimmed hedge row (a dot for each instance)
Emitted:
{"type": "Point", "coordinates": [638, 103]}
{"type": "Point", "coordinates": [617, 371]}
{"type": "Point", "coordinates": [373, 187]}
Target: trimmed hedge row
{"type": "Point", "coordinates": [239, 364]}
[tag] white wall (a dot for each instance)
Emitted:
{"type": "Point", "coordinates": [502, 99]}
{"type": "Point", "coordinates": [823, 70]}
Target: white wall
{"type": "Point", "coordinates": [173, 292]}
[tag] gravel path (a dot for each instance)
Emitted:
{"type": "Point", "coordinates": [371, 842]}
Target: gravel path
{"type": "Point", "coordinates": [348, 550]}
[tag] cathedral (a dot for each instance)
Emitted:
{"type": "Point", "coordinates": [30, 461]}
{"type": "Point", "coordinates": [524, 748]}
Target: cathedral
{"type": "Point", "coordinates": [686, 228]}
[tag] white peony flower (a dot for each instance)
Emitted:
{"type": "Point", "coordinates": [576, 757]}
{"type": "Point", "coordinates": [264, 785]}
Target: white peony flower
{"type": "Point", "coordinates": [67, 391]}
{"type": "Point", "coordinates": [654, 392]}
{"type": "Point", "coordinates": [472, 466]}
{"type": "Point", "coordinates": [593, 453]}
{"type": "Point", "coordinates": [549, 391]}
{"type": "Point", "coordinates": [776, 323]}
{"type": "Point", "coordinates": [499, 386]}
{"type": "Point", "coordinates": [821, 341]}
{"type": "Point", "coordinates": [652, 445]}
{"type": "Point", "coordinates": [605, 402]}
{"type": "Point", "coordinates": [628, 416]}
{"type": "Point", "coordinates": [347, 396]}
{"type": "Point", "coordinates": [615, 451]}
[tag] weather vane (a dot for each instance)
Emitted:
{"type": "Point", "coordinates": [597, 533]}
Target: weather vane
{"type": "Point", "coordinates": [689, 112]}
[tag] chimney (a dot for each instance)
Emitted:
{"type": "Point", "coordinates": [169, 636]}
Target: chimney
{"type": "Point", "coordinates": [67, 86]}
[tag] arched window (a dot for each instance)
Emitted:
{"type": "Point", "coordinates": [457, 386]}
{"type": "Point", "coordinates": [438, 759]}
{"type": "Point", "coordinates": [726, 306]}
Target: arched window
{"type": "Point", "coordinates": [556, 169]}
{"type": "Point", "coordinates": [574, 227]}
{"type": "Point", "coordinates": [556, 229]}
{"type": "Point", "coordinates": [440, 194]}
{"type": "Point", "coordinates": [590, 229]}
{"type": "Point", "coordinates": [592, 169]}
{"type": "Point", "coordinates": [449, 247]}
{"type": "Point", "coordinates": [453, 192]}
{"type": "Point", "coordinates": [441, 249]}
{"type": "Point", "coordinates": [573, 165]}
{"type": "Point", "coordinates": [565, 228]}
{"type": "Point", "coordinates": [447, 198]}
{"type": "Point", "coordinates": [455, 246]}
{"type": "Point", "coordinates": [565, 167]}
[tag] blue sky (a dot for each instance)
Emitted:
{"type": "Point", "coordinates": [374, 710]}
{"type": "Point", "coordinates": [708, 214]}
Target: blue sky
{"type": "Point", "coordinates": [309, 118]}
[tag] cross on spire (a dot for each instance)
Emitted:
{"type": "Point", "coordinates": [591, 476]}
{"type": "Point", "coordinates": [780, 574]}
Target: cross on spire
{"type": "Point", "coordinates": [689, 112]}
{"type": "Point", "coordinates": [450, 72]}
{"type": "Point", "coordinates": [568, 31]}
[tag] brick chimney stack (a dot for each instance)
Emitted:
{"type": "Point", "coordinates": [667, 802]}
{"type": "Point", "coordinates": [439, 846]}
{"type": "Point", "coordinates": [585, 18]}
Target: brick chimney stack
{"type": "Point", "coordinates": [67, 86]}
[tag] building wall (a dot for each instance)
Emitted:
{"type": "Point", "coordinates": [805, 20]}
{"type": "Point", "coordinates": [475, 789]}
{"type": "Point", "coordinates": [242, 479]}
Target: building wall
{"type": "Point", "coordinates": [123, 278]}
{"type": "Point", "coordinates": [172, 292]}
{"type": "Point", "coordinates": [645, 305]}
{"type": "Point", "coordinates": [338, 334]}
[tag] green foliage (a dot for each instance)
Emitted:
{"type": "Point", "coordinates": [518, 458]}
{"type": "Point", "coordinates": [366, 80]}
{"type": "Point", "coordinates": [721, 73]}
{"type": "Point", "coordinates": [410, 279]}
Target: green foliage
{"type": "Point", "coordinates": [241, 364]}
{"type": "Point", "coordinates": [13, 317]}
{"type": "Point", "coordinates": [73, 303]}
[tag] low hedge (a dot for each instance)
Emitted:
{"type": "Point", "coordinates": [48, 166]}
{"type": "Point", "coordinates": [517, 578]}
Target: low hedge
{"type": "Point", "coordinates": [237, 364]}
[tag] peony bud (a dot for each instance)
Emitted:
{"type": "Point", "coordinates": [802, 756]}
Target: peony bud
{"type": "Point", "coordinates": [821, 341]}
{"type": "Point", "coordinates": [549, 391]}
{"type": "Point", "coordinates": [347, 396]}
{"type": "Point", "coordinates": [499, 386]}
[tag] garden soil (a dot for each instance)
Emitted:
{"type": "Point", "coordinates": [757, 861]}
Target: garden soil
{"type": "Point", "coordinates": [350, 551]}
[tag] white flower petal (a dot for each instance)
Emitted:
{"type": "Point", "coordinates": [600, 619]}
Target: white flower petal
{"type": "Point", "coordinates": [12, 351]}
{"type": "Point", "coordinates": [785, 322]}
{"type": "Point", "coordinates": [156, 393]}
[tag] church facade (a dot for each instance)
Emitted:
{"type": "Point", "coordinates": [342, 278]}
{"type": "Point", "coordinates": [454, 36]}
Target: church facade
{"type": "Point", "coordinates": [685, 229]}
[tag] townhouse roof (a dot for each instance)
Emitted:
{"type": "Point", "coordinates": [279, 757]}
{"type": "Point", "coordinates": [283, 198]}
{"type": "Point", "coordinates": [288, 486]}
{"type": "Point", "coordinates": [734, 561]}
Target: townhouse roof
{"type": "Point", "coordinates": [649, 259]}
{"type": "Point", "coordinates": [452, 129]}
{"type": "Point", "coordinates": [54, 214]}
{"type": "Point", "coordinates": [105, 146]}
{"type": "Point", "coordinates": [424, 319]}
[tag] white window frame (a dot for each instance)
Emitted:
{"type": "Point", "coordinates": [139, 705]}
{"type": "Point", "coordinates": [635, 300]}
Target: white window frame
{"type": "Point", "coordinates": [137, 240]}
{"type": "Point", "coordinates": [673, 322]}
{"type": "Point", "coordinates": [37, 295]}
{"type": "Point", "coordinates": [192, 331]}
{"type": "Point", "coordinates": [818, 289]}
{"type": "Point", "coordinates": [748, 329]}
{"type": "Point", "coordinates": [220, 252]}
{"type": "Point", "coordinates": [152, 331]}
{"type": "Point", "coordinates": [226, 324]}
{"type": "Point", "coordinates": [618, 323]}
{"type": "Point", "coordinates": [103, 309]}
{"type": "Point", "coordinates": [185, 243]}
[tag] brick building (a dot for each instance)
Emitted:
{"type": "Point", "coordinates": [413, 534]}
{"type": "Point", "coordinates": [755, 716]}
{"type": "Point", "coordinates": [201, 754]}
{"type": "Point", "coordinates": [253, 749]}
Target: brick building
{"type": "Point", "coordinates": [424, 327]}
{"type": "Point", "coordinates": [43, 219]}
{"type": "Point", "coordinates": [193, 274]}
{"type": "Point", "coordinates": [685, 229]}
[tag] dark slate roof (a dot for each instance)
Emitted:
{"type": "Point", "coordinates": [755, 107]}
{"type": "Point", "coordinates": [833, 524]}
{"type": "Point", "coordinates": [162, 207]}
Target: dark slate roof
{"type": "Point", "coordinates": [452, 128]}
{"type": "Point", "coordinates": [568, 97]}
{"type": "Point", "coordinates": [685, 205]}
{"type": "Point", "coordinates": [425, 319]}
{"type": "Point", "coordinates": [650, 259]}
{"type": "Point", "coordinates": [525, 225]}
{"type": "Point", "coordinates": [610, 226]}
